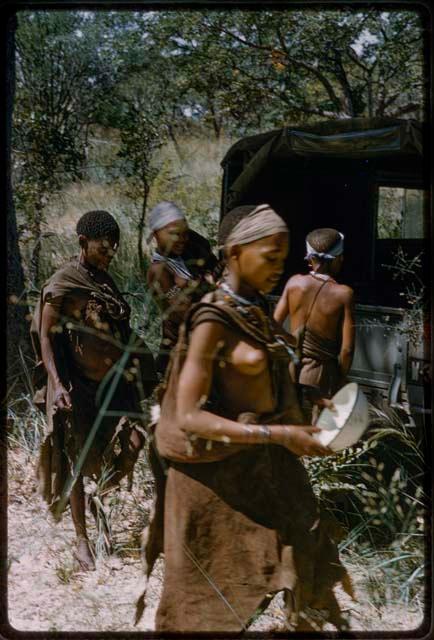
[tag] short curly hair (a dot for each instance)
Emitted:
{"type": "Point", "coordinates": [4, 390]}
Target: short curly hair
{"type": "Point", "coordinates": [323, 240]}
{"type": "Point", "coordinates": [98, 224]}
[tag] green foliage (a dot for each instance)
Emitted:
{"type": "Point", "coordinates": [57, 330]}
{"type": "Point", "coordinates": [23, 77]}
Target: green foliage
{"type": "Point", "coordinates": [259, 69]}
{"type": "Point", "coordinates": [376, 490]}
{"type": "Point", "coordinates": [409, 272]}
{"type": "Point", "coordinates": [58, 81]}
{"type": "Point", "coordinates": [159, 76]}
{"type": "Point", "coordinates": [53, 97]}
{"type": "Point", "coordinates": [375, 474]}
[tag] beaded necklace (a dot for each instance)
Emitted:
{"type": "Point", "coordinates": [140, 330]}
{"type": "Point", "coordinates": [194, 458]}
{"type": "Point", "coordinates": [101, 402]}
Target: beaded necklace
{"type": "Point", "coordinates": [321, 276]}
{"type": "Point", "coordinates": [244, 301]}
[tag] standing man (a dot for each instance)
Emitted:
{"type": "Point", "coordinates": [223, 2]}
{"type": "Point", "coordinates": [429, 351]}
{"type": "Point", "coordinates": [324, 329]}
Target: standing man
{"type": "Point", "coordinates": [181, 271]}
{"type": "Point", "coordinates": [321, 314]}
{"type": "Point", "coordinates": [80, 332]}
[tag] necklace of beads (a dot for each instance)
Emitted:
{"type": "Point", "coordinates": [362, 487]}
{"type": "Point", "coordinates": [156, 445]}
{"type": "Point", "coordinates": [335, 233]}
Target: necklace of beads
{"type": "Point", "coordinates": [321, 276]}
{"type": "Point", "coordinates": [237, 297]}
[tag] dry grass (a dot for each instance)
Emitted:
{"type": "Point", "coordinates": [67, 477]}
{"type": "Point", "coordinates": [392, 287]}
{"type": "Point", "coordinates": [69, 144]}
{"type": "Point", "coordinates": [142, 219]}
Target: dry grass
{"type": "Point", "coordinates": [45, 591]}
{"type": "Point", "coordinates": [46, 594]}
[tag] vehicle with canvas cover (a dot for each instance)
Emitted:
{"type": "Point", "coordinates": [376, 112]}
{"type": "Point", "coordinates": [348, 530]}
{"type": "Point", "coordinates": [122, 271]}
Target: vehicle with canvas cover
{"type": "Point", "coordinates": [369, 179]}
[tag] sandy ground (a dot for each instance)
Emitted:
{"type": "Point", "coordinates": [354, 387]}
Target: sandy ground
{"type": "Point", "coordinates": [46, 594]}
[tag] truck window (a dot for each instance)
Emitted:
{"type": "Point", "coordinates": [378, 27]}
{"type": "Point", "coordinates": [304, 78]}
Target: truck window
{"type": "Point", "coordinates": [400, 213]}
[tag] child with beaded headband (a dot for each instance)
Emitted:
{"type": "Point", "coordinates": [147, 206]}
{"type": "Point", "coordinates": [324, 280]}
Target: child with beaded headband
{"type": "Point", "coordinates": [321, 313]}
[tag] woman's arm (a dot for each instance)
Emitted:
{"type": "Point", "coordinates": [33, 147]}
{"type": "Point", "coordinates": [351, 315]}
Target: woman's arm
{"type": "Point", "coordinates": [50, 323]}
{"type": "Point", "coordinates": [172, 294]}
{"type": "Point", "coordinates": [281, 311]}
{"type": "Point", "coordinates": [207, 340]}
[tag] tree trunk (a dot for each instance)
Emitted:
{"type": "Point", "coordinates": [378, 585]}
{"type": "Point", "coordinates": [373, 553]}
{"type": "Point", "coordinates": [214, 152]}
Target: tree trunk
{"type": "Point", "coordinates": [141, 227]}
{"type": "Point", "coordinates": [36, 251]}
{"type": "Point", "coordinates": [370, 97]}
{"type": "Point", "coordinates": [17, 309]}
{"type": "Point", "coordinates": [178, 150]}
{"type": "Point", "coordinates": [214, 119]}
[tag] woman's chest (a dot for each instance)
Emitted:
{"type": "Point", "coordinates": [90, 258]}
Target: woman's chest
{"type": "Point", "coordinates": [247, 357]}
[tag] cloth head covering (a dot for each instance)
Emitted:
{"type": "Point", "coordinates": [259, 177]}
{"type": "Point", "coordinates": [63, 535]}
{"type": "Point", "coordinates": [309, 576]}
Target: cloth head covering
{"type": "Point", "coordinates": [258, 222]}
{"type": "Point", "coordinates": [163, 214]}
{"type": "Point", "coordinates": [336, 250]}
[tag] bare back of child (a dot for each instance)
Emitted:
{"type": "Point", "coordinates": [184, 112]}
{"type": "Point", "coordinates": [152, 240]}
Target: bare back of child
{"type": "Point", "coordinates": [321, 316]}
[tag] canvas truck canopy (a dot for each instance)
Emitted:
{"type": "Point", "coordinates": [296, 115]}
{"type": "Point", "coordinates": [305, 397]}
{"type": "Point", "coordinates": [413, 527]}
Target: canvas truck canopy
{"type": "Point", "coordinates": [356, 138]}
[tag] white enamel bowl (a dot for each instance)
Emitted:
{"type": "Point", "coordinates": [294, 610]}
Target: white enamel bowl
{"type": "Point", "coordinates": [343, 427]}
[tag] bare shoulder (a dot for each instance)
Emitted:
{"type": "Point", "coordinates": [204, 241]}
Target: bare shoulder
{"type": "Point", "coordinates": [158, 272]}
{"type": "Point", "coordinates": [207, 338]}
{"type": "Point", "coordinates": [345, 293]}
{"type": "Point", "coordinates": [156, 269]}
{"type": "Point", "coordinates": [297, 281]}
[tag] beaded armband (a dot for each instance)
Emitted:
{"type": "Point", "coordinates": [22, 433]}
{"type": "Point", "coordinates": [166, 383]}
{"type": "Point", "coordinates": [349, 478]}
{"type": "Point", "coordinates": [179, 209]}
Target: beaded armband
{"type": "Point", "coordinates": [265, 432]}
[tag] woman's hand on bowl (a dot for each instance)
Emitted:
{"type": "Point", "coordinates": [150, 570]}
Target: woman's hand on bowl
{"type": "Point", "coordinates": [299, 439]}
{"type": "Point", "coordinates": [325, 403]}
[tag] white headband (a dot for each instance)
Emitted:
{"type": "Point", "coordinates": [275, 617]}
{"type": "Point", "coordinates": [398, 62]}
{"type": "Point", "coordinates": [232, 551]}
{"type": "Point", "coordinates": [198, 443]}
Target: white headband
{"type": "Point", "coordinates": [332, 253]}
{"type": "Point", "coordinates": [163, 214]}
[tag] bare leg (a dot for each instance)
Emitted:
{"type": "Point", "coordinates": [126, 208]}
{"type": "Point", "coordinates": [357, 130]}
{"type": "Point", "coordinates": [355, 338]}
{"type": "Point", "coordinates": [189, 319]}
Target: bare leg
{"type": "Point", "coordinates": [130, 480]}
{"type": "Point", "coordinates": [83, 554]}
{"type": "Point", "coordinates": [152, 539]}
{"type": "Point", "coordinates": [125, 461]}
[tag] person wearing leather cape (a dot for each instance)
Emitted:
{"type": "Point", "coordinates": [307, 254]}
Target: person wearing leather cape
{"type": "Point", "coordinates": [181, 272]}
{"type": "Point", "coordinates": [81, 336]}
{"type": "Point", "coordinates": [241, 522]}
